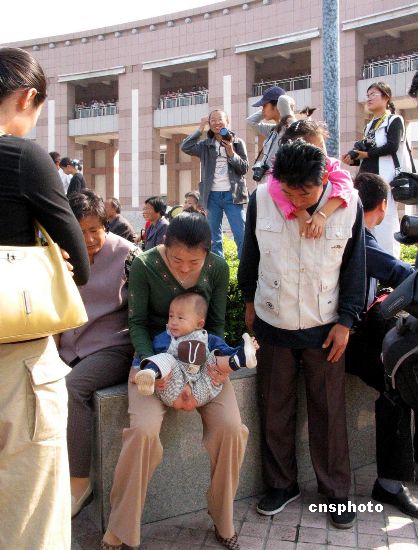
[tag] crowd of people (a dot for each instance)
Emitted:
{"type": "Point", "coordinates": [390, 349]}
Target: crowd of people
{"type": "Point", "coordinates": [96, 107]}
{"type": "Point", "coordinates": [179, 98]}
{"type": "Point", "coordinates": [310, 259]}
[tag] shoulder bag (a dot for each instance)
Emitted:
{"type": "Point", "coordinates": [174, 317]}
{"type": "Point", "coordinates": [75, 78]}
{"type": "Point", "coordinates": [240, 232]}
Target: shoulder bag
{"type": "Point", "coordinates": [38, 296]}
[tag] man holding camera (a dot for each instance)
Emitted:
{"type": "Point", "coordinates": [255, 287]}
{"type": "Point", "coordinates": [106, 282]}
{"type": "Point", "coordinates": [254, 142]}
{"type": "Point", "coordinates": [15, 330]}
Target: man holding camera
{"type": "Point", "coordinates": [394, 450]}
{"type": "Point", "coordinates": [223, 160]}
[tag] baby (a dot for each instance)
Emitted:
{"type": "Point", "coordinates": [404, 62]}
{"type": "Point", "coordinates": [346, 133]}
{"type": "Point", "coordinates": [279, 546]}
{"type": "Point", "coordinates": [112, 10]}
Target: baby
{"type": "Point", "coordinates": [183, 353]}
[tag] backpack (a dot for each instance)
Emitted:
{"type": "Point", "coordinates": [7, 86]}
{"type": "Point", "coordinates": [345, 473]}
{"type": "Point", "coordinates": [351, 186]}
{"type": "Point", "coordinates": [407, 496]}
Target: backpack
{"type": "Point", "coordinates": [400, 359]}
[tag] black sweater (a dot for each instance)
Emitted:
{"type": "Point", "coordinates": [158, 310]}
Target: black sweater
{"type": "Point", "coordinates": [30, 188]}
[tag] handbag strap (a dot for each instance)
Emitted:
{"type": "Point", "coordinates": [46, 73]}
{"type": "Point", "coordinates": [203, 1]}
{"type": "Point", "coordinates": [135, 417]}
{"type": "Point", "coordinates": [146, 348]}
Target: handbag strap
{"type": "Point", "coordinates": [395, 156]}
{"type": "Point", "coordinates": [41, 228]}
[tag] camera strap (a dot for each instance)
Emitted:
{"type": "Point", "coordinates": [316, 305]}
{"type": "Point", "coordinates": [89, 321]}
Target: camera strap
{"type": "Point", "coordinates": [271, 137]}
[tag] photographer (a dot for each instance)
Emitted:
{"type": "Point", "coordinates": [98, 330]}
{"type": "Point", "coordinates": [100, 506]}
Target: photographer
{"type": "Point", "coordinates": [381, 151]}
{"type": "Point", "coordinates": [223, 159]}
{"type": "Point", "coordinates": [271, 113]}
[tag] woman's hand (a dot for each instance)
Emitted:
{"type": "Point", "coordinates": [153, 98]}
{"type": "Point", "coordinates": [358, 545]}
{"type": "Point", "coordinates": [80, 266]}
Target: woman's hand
{"type": "Point", "coordinates": [229, 147]}
{"type": "Point", "coordinates": [219, 371]}
{"type": "Point", "coordinates": [66, 257]}
{"type": "Point", "coordinates": [362, 154]}
{"type": "Point", "coordinates": [204, 121]}
{"type": "Point", "coordinates": [161, 383]}
{"type": "Point", "coordinates": [346, 159]}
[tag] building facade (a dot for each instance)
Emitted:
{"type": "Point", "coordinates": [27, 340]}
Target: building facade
{"type": "Point", "coordinates": [122, 98]}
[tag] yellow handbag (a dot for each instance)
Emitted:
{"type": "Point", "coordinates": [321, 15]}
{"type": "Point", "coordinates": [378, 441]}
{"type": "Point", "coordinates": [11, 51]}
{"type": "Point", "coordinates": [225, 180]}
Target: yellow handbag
{"type": "Point", "coordinates": [38, 296]}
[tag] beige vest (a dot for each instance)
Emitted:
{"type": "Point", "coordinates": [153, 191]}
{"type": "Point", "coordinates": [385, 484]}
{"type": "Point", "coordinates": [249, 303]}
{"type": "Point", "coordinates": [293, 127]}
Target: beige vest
{"type": "Point", "coordinates": [298, 278]}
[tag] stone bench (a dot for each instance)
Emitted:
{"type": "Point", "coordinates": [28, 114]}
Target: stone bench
{"type": "Point", "coordinates": [180, 483]}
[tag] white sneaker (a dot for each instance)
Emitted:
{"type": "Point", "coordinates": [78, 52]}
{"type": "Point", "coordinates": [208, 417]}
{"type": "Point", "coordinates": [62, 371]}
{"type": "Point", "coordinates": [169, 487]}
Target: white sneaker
{"type": "Point", "coordinates": [249, 351]}
{"type": "Point", "coordinates": [145, 381]}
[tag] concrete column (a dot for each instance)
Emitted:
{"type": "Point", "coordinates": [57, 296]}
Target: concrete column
{"type": "Point", "coordinates": [331, 72]}
{"type": "Point", "coordinates": [139, 147]}
{"type": "Point", "coordinates": [353, 115]}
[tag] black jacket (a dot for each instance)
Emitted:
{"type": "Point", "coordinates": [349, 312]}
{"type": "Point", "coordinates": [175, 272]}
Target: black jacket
{"type": "Point", "coordinates": [77, 184]}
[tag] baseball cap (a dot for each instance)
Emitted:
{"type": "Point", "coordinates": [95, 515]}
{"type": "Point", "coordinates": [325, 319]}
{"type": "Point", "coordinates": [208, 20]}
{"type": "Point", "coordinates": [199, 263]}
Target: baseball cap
{"type": "Point", "coordinates": [271, 94]}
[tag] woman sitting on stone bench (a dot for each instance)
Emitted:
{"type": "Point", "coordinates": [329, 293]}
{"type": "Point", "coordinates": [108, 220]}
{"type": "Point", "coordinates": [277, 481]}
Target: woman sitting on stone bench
{"type": "Point", "coordinates": [182, 264]}
{"type": "Point", "coordinates": [100, 352]}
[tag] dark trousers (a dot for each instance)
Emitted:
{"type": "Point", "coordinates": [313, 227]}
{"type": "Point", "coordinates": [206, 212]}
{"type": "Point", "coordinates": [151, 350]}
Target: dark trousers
{"type": "Point", "coordinates": [277, 388]}
{"type": "Point", "coordinates": [394, 448]}
{"type": "Point", "coordinates": [99, 370]}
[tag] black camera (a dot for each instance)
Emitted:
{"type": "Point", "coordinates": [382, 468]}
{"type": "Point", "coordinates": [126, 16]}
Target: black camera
{"type": "Point", "coordinates": [358, 146]}
{"type": "Point", "coordinates": [259, 169]}
{"type": "Point", "coordinates": [409, 227]}
{"type": "Point", "coordinates": [226, 134]}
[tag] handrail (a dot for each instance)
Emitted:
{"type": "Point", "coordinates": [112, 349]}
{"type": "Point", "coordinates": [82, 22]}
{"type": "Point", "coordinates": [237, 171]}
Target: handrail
{"type": "Point", "coordinates": [288, 84]}
{"type": "Point", "coordinates": [183, 100]}
{"type": "Point", "coordinates": [385, 67]}
{"type": "Point", "coordinates": [103, 110]}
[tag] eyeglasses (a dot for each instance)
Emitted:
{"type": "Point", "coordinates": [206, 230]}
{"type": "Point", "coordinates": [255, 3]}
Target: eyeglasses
{"type": "Point", "coordinates": [373, 94]}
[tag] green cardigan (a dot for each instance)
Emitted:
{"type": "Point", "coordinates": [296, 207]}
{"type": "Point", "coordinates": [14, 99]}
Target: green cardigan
{"type": "Point", "coordinates": [152, 287]}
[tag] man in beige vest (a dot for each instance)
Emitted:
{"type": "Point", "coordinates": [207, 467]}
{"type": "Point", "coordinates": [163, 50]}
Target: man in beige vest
{"type": "Point", "coordinates": [302, 297]}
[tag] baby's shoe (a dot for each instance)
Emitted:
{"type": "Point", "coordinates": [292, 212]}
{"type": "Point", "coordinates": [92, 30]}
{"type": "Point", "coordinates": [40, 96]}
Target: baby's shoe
{"type": "Point", "coordinates": [246, 354]}
{"type": "Point", "coordinates": [145, 381]}
{"type": "Point", "coordinates": [250, 348]}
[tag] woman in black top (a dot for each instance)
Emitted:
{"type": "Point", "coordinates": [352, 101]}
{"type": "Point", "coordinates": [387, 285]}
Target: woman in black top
{"type": "Point", "coordinates": [382, 151]}
{"type": "Point", "coordinates": [35, 495]}
{"type": "Point", "coordinates": [72, 167]}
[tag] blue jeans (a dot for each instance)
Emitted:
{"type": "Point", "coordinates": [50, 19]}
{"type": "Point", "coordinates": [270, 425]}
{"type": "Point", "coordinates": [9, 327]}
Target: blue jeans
{"type": "Point", "coordinates": [218, 203]}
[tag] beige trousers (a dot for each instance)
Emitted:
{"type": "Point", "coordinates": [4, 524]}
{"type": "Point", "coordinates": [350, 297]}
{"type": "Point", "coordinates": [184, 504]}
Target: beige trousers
{"type": "Point", "coordinates": [35, 498]}
{"type": "Point", "coordinates": [224, 436]}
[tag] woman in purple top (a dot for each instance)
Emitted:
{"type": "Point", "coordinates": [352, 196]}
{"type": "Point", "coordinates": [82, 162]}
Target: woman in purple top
{"type": "Point", "coordinates": [100, 352]}
{"type": "Point", "coordinates": [154, 211]}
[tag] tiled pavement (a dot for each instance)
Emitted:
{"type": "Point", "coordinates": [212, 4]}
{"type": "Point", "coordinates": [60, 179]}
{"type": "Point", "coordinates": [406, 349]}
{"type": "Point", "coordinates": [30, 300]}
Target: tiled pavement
{"type": "Point", "coordinates": [296, 528]}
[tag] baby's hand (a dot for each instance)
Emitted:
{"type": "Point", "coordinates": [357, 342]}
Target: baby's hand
{"type": "Point", "coordinates": [315, 226]}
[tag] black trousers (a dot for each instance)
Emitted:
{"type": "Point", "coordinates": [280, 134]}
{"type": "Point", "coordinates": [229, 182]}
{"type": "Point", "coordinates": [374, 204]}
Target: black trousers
{"type": "Point", "coordinates": [394, 446]}
{"type": "Point", "coordinates": [277, 392]}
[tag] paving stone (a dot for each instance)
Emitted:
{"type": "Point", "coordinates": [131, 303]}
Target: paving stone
{"type": "Point", "coordinates": [308, 546]}
{"type": "Point", "coordinates": [272, 545]}
{"type": "Point", "coordinates": [253, 529]}
{"type": "Point", "coordinates": [287, 518]}
{"type": "Point", "coordinates": [155, 545]}
{"type": "Point", "coordinates": [342, 538]}
{"type": "Point", "coordinates": [282, 532]}
{"type": "Point", "coordinates": [317, 520]}
{"type": "Point", "coordinates": [402, 544]}
{"type": "Point", "coordinates": [310, 534]}
{"type": "Point", "coordinates": [191, 536]}
{"type": "Point", "coordinates": [370, 528]}
{"type": "Point", "coordinates": [372, 541]}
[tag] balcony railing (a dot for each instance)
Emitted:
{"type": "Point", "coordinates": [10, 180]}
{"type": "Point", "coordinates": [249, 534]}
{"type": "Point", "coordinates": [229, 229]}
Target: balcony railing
{"type": "Point", "coordinates": [183, 100]}
{"type": "Point", "coordinates": [288, 84]}
{"type": "Point", "coordinates": [87, 112]}
{"type": "Point", "coordinates": [385, 67]}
